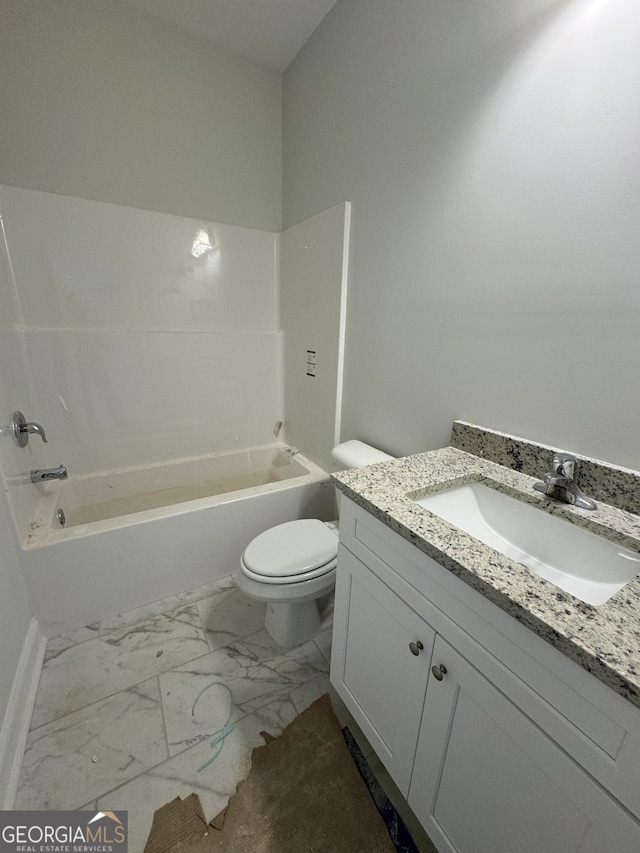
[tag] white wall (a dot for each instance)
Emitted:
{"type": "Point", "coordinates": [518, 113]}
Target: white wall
{"type": "Point", "coordinates": [102, 102]}
{"type": "Point", "coordinates": [139, 351]}
{"type": "Point", "coordinates": [490, 150]}
{"type": "Point", "coordinates": [313, 271]}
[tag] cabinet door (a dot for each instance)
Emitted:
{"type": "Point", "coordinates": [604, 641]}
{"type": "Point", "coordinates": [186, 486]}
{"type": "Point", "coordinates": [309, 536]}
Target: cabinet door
{"type": "Point", "coordinates": [379, 678]}
{"type": "Point", "coordinates": [488, 780]}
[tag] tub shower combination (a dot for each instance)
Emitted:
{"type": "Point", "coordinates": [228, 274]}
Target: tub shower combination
{"type": "Point", "coordinates": [134, 536]}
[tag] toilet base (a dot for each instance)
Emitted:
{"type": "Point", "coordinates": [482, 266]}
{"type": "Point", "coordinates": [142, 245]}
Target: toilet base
{"type": "Point", "coordinates": [292, 624]}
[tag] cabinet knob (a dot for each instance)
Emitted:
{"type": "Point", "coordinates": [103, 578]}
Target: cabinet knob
{"type": "Point", "coordinates": [439, 672]}
{"type": "Point", "coordinates": [416, 648]}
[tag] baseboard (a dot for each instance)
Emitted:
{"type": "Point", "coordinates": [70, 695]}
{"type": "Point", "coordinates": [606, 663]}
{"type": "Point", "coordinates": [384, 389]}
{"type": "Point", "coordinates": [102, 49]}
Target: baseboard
{"type": "Point", "coordinates": [15, 726]}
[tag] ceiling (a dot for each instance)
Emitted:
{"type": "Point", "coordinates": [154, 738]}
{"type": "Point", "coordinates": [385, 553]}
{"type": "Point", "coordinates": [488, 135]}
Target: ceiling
{"type": "Point", "coordinates": [267, 32]}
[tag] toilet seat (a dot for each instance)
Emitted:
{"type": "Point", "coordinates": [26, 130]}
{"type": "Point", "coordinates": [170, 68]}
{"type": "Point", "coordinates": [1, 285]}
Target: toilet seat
{"type": "Point", "coordinates": [290, 579]}
{"type": "Point", "coordinates": [292, 552]}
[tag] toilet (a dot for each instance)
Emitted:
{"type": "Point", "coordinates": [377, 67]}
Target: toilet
{"type": "Point", "coordinates": [292, 566]}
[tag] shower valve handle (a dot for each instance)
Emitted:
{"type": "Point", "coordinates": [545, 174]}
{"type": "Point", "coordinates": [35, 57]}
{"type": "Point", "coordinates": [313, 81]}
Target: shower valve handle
{"type": "Point", "coordinates": [22, 430]}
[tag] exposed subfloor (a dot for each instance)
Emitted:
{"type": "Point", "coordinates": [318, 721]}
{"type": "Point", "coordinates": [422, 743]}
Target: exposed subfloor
{"type": "Point", "coordinates": [114, 725]}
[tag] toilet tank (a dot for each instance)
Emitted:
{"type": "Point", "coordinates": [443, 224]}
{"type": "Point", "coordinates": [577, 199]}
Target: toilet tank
{"type": "Point", "coordinates": [356, 454]}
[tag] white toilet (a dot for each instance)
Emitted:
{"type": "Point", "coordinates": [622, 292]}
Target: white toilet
{"type": "Point", "coordinates": [293, 565]}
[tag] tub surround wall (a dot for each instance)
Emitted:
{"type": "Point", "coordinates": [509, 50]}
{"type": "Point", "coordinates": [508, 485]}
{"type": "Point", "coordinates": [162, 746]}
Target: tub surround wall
{"type": "Point", "coordinates": [19, 663]}
{"type": "Point", "coordinates": [102, 102]}
{"type": "Point", "coordinates": [489, 150]}
{"type": "Point", "coordinates": [133, 398]}
{"type": "Point", "coordinates": [147, 339]}
{"type": "Point", "coordinates": [89, 265]}
{"type": "Point", "coordinates": [17, 392]}
{"type": "Point", "coordinates": [314, 258]}
{"type": "Point", "coordinates": [139, 351]}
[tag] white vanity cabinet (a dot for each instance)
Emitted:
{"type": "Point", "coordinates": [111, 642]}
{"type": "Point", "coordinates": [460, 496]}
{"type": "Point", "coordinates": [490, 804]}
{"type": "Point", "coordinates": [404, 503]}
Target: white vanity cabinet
{"type": "Point", "coordinates": [500, 744]}
{"type": "Point", "coordinates": [385, 689]}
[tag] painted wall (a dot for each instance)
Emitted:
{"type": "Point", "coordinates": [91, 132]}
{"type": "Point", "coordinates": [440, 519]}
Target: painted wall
{"type": "Point", "coordinates": [102, 102]}
{"type": "Point", "coordinates": [150, 337]}
{"type": "Point", "coordinates": [313, 270]}
{"type": "Point", "coordinates": [490, 150]}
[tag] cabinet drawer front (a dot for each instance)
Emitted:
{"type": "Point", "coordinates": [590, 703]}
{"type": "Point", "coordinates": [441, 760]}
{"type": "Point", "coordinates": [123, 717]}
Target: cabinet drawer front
{"type": "Point", "coordinates": [383, 652]}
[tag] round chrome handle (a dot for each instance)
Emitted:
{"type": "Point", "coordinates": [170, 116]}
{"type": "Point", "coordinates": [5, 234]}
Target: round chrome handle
{"type": "Point", "coordinates": [416, 648]}
{"type": "Point", "coordinates": [19, 428]}
{"type": "Point", "coordinates": [439, 671]}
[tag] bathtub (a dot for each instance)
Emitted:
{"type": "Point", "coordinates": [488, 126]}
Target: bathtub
{"type": "Point", "coordinates": [134, 536]}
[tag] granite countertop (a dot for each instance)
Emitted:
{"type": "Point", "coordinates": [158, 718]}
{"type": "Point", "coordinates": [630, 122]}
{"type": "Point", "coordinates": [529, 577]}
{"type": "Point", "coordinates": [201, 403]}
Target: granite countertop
{"type": "Point", "coordinates": [605, 640]}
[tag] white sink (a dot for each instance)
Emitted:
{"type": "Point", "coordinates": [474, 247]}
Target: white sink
{"type": "Point", "coordinates": [579, 562]}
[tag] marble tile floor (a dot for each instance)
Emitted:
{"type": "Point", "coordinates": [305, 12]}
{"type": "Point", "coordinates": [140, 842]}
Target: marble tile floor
{"type": "Point", "coordinates": [114, 725]}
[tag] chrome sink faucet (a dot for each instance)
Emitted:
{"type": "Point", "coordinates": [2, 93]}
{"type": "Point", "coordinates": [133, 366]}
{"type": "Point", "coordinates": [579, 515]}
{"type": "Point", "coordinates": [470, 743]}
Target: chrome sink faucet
{"type": "Point", "coordinates": [560, 482]}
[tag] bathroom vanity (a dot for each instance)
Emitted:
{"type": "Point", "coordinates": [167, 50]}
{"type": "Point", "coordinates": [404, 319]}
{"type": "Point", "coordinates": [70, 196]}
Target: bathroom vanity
{"type": "Point", "coordinates": [506, 711]}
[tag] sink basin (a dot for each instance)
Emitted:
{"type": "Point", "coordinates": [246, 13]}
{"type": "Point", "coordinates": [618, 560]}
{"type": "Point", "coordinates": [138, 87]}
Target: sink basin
{"type": "Point", "coordinates": [580, 562]}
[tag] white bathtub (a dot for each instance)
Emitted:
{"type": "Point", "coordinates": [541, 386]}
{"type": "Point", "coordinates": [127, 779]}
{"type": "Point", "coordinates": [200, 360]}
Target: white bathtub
{"type": "Point", "coordinates": [135, 536]}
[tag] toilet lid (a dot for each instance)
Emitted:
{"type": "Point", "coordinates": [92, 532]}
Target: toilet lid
{"type": "Point", "coordinates": [290, 549]}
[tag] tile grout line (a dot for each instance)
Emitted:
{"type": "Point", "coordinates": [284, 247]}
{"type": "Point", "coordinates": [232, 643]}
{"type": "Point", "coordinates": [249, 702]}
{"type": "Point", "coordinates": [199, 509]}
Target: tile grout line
{"type": "Point", "coordinates": [102, 632]}
{"type": "Point", "coordinates": [124, 689]}
{"type": "Point", "coordinates": [162, 717]}
{"type": "Point", "coordinates": [171, 606]}
{"type": "Point", "coordinates": [188, 748]}
{"type": "Point", "coordinates": [165, 761]}
{"type": "Point", "coordinates": [280, 696]}
{"type": "Point", "coordinates": [240, 641]}
{"type": "Point", "coordinates": [182, 751]}
{"type": "Point", "coordinates": [100, 635]}
{"type": "Point", "coordinates": [164, 672]}
{"type": "Point", "coordinates": [54, 654]}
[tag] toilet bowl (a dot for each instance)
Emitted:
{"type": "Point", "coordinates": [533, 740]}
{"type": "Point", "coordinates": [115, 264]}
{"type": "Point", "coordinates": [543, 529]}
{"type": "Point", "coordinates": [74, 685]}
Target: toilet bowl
{"type": "Point", "coordinates": [292, 566]}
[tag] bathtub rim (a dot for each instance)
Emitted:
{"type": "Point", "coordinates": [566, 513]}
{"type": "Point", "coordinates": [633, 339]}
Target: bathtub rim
{"type": "Point", "coordinates": [45, 530]}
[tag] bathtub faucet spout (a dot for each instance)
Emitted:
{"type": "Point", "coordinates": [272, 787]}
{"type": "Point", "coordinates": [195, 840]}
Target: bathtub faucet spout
{"type": "Point", "coordinates": [41, 475]}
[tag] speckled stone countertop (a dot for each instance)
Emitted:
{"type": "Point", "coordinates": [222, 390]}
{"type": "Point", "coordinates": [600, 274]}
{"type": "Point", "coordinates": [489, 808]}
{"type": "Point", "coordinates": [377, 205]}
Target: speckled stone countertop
{"type": "Point", "coordinates": [605, 640]}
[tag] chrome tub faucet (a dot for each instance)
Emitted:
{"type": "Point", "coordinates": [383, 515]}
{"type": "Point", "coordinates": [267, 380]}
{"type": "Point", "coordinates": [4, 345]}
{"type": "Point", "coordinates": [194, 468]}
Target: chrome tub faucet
{"type": "Point", "coordinates": [44, 474]}
{"type": "Point", "coordinates": [560, 482]}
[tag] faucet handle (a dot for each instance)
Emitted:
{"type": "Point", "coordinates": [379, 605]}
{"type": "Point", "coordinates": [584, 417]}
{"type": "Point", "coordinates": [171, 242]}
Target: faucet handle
{"type": "Point", "coordinates": [565, 464]}
{"type": "Point", "coordinates": [22, 430]}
